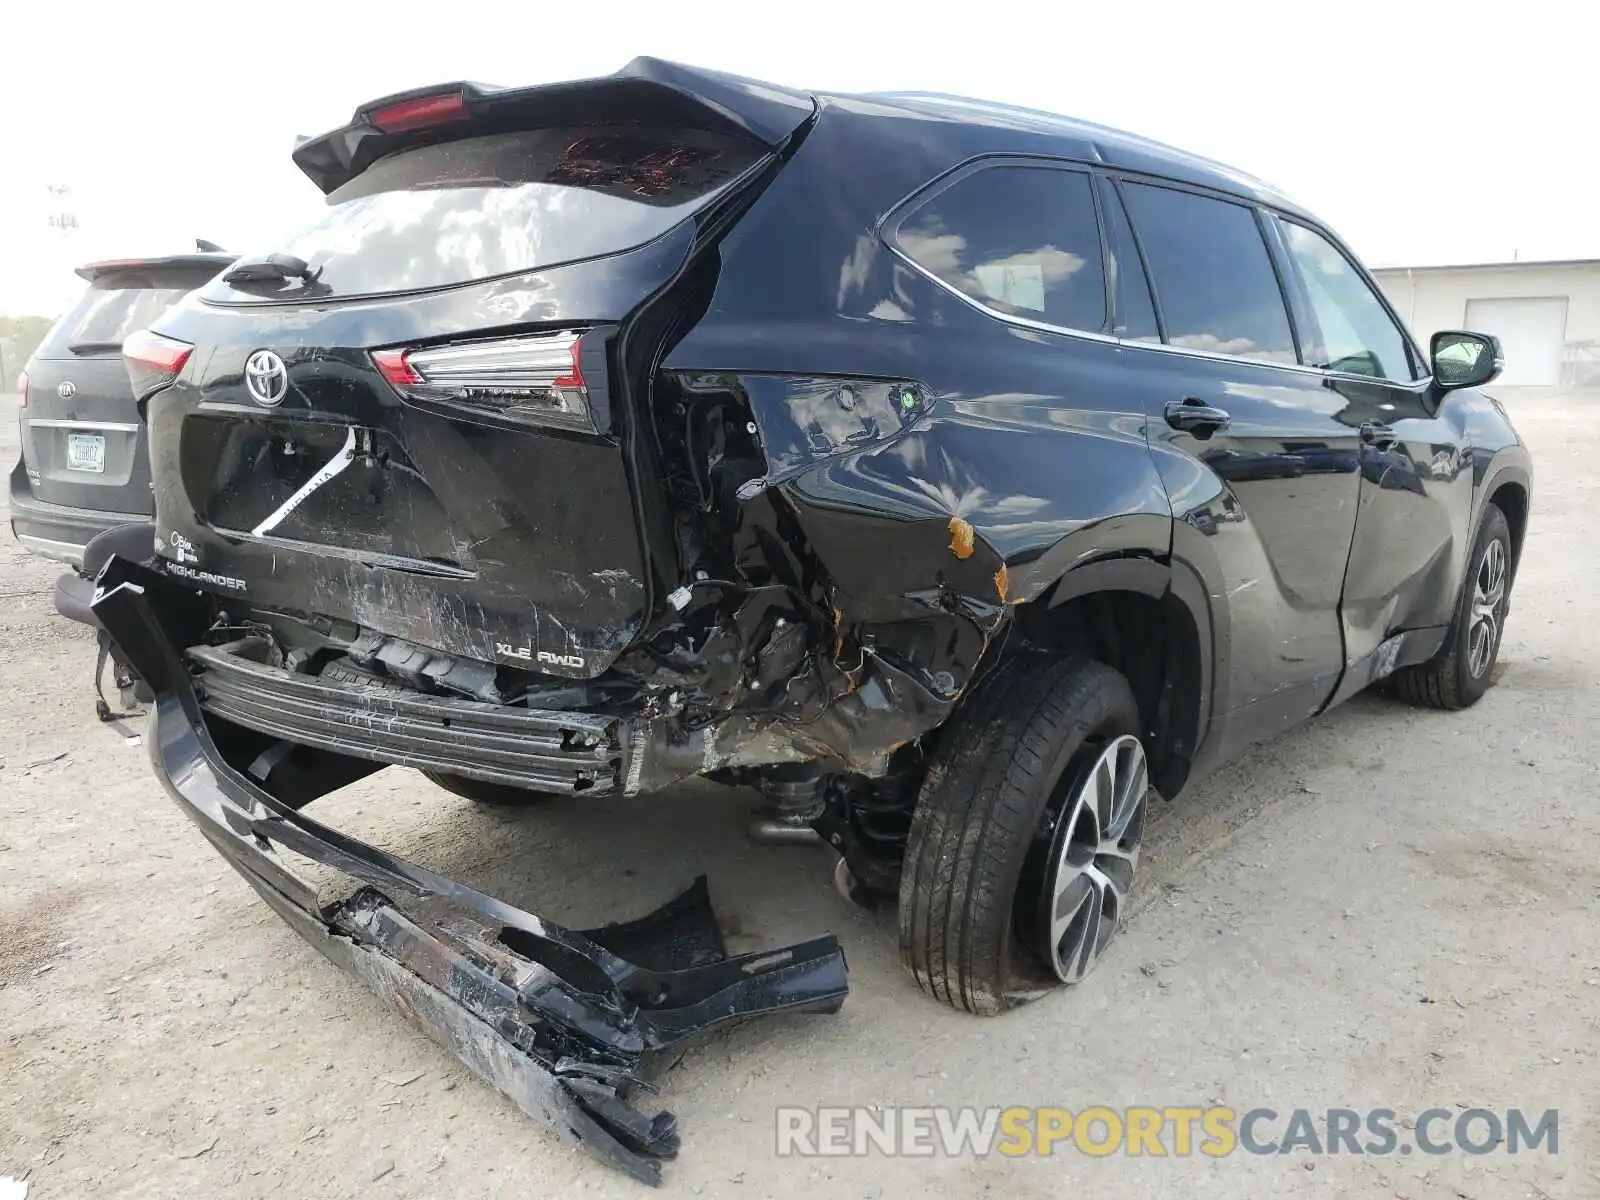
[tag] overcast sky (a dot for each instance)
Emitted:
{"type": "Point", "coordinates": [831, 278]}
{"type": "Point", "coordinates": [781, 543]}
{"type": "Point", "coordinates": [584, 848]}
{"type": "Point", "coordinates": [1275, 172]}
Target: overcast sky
{"type": "Point", "coordinates": [1424, 133]}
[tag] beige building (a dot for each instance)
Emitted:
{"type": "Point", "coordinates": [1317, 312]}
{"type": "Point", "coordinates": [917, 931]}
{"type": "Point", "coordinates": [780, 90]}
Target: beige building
{"type": "Point", "coordinates": [1546, 314]}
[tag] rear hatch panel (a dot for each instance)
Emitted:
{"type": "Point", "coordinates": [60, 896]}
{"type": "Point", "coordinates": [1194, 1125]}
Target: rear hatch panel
{"type": "Point", "coordinates": [466, 534]}
{"type": "Point", "coordinates": [459, 517]}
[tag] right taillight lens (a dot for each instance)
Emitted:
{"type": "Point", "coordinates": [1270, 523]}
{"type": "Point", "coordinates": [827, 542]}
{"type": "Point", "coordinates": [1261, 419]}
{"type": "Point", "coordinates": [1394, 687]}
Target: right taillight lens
{"type": "Point", "coordinates": [537, 379]}
{"type": "Point", "coordinates": [22, 386]}
{"type": "Point", "coordinates": [153, 361]}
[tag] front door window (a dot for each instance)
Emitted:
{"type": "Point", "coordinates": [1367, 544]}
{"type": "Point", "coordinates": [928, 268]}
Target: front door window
{"type": "Point", "coordinates": [1353, 333]}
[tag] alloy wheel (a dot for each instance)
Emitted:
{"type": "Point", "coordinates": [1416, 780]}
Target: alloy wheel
{"type": "Point", "coordinates": [1094, 854]}
{"type": "Point", "coordinates": [1488, 608]}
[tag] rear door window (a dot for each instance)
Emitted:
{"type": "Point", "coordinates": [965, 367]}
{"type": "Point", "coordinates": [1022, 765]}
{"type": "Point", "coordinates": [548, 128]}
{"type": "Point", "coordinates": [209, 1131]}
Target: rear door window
{"type": "Point", "coordinates": [1020, 241]}
{"type": "Point", "coordinates": [1214, 281]}
{"type": "Point", "coordinates": [505, 203]}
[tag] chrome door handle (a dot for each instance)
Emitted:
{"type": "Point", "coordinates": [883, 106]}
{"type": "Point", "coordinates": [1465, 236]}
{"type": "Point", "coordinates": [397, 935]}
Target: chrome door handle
{"type": "Point", "coordinates": [1195, 416]}
{"type": "Point", "coordinates": [1375, 434]}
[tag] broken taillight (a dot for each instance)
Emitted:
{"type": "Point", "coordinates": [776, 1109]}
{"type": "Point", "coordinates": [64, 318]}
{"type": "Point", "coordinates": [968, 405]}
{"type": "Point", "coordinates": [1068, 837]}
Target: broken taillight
{"type": "Point", "coordinates": [153, 361]}
{"type": "Point", "coordinates": [535, 379]}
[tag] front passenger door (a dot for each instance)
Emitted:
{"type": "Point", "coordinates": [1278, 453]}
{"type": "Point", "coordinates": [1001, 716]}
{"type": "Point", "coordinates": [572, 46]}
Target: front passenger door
{"type": "Point", "coordinates": [1411, 535]}
{"type": "Point", "coordinates": [1264, 499]}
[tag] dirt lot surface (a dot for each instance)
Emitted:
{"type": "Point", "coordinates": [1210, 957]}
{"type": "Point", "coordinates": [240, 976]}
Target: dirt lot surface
{"type": "Point", "coordinates": [1387, 908]}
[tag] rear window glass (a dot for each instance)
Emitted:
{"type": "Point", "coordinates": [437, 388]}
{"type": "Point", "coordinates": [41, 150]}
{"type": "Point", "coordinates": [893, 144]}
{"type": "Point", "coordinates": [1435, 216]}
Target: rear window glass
{"type": "Point", "coordinates": [107, 313]}
{"type": "Point", "coordinates": [504, 203]}
{"type": "Point", "coordinates": [1021, 241]}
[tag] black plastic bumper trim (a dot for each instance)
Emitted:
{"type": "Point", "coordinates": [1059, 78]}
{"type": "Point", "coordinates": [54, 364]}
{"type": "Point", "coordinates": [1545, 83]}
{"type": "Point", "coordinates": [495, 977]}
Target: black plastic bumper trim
{"type": "Point", "coordinates": [522, 747]}
{"type": "Point", "coordinates": [558, 1020]}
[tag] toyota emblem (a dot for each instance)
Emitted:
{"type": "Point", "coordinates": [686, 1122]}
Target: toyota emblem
{"type": "Point", "coordinates": [266, 378]}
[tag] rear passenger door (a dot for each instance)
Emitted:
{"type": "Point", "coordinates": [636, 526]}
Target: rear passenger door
{"type": "Point", "coordinates": [1412, 532]}
{"type": "Point", "coordinates": [1259, 465]}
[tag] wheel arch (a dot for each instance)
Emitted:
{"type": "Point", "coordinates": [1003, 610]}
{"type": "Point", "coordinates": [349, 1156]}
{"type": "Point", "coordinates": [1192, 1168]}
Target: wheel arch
{"type": "Point", "coordinates": [1507, 490]}
{"type": "Point", "coordinates": [1505, 483]}
{"type": "Point", "coordinates": [1151, 620]}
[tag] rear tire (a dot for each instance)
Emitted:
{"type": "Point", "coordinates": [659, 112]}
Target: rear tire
{"type": "Point", "coordinates": [1459, 676]}
{"type": "Point", "coordinates": [1001, 828]}
{"type": "Point", "coordinates": [480, 791]}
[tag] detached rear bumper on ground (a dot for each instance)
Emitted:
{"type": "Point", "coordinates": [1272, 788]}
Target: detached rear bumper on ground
{"type": "Point", "coordinates": [569, 1025]}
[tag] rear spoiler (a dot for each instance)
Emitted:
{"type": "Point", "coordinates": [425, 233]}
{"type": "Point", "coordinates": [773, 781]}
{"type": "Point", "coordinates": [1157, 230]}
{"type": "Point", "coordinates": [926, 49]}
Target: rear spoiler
{"type": "Point", "coordinates": [113, 266]}
{"type": "Point", "coordinates": [647, 88]}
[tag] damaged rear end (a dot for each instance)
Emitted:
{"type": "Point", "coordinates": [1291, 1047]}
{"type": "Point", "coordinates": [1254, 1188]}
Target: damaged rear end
{"type": "Point", "coordinates": [424, 417]}
{"type": "Point", "coordinates": [572, 1026]}
{"type": "Point", "coordinates": [427, 465]}
{"type": "Point", "coordinates": [409, 510]}
{"type": "Point", "coordinates": [431, 490]}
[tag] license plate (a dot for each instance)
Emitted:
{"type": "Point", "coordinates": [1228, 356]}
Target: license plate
{"type": "Point", "coordinates": [86, 452]}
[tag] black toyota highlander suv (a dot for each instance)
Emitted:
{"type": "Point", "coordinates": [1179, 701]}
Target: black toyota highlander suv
{"type": "Point", "coordinates": [950, 473]}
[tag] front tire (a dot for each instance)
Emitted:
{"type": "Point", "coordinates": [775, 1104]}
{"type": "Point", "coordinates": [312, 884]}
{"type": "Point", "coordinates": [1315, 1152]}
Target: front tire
{"type": "Point", "coordinates": [1026, 835]}
{"type": "Point", "coordinates": [1460, 676]}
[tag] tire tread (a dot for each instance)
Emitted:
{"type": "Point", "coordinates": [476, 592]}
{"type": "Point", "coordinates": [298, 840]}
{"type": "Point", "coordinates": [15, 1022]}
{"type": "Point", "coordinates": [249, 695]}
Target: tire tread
{"type": "Point", "coordinates": [976, 816]}
{"type": "Point", "coordinates": [1440, 682]}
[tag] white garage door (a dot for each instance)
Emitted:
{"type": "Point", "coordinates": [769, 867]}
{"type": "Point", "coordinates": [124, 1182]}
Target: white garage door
{"type": "Point", "coordinates": [1532, 332]}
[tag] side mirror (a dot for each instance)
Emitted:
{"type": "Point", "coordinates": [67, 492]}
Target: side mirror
{"type": "Point", "coordinates": [1462, 359]}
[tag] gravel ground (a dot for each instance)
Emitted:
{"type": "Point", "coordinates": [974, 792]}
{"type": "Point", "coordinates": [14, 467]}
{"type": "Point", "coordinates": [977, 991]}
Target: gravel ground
{"type": "Point", "coordinates": [1387, 907]}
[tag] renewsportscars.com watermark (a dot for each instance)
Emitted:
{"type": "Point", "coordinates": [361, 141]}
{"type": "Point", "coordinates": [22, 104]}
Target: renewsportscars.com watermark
{"type": "Point", "coordinates": [1157, 1132]}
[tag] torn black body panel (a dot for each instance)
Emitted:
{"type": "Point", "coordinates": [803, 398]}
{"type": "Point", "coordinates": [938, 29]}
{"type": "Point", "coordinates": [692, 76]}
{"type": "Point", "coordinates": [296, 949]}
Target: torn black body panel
{"type": "Point", "coordinates": [946, 468]}
{"type": "Point", "coordinates": [569, 1025]}
{"type": "Point", "coordinates": [900, 526]}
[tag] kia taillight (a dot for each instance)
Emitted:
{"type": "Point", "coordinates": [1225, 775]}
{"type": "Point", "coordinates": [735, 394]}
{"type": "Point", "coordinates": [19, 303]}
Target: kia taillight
{"type": "Point", "coordinates": [153, 361]}
{"type": "Point", "coordinates": [536, 379]}
{"type": "Point", "coordinates": [22, 386]}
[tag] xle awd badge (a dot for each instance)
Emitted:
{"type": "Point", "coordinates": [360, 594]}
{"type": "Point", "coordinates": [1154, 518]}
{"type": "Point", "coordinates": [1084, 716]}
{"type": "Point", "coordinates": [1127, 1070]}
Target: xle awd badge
{"type": "Point", "coordinates": [574, 661]}
{"type": "Point", "coordinates": [266, 378]}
